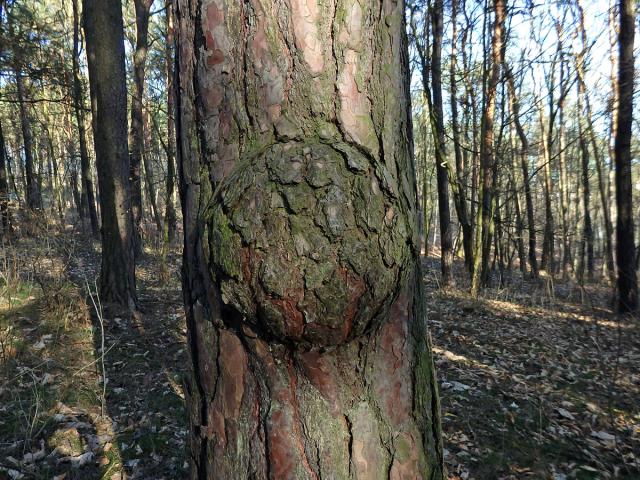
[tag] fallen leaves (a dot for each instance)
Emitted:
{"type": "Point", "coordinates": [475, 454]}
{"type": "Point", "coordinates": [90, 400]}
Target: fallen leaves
{"type": "Point", "coordinates": [553, 386]}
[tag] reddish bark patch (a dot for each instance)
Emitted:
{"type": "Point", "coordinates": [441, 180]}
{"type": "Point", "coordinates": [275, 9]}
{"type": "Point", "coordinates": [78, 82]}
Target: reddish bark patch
{"type": "Point", "coordinates": [214, 96]}
{"type": "Point", "coordinates": [281, 447]}
{"type": "Point", "coordinates": [293, 380]}
{"type": "Point", "coordinates": [356, 287]}
{"type": "Point", "coordinates": [215, 430]}
{"type": "Point", "coordinates": [293, 318]}
{"type": "Point", "coordinates": [215, 58]}
{"type": "Point", "coordinates": [406, 459]}
{"type": "Point", "coordinates": [233, 361]}
{"type": "Point", "coordinates": [213, 15]}
{"type": "Point", "coordinates": [392, 377]}
{"type": "Point", "coordinates": [321, 372]}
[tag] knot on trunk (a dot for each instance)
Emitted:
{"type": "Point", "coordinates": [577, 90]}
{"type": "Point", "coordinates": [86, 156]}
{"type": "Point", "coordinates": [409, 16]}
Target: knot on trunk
{"type": "Point", "coordinates": [308, 242]}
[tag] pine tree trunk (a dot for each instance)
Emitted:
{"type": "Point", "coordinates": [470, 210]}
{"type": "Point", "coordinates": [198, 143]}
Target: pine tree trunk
{"type": "Point", "coordinates": [437, 125]}
{"type": "Point", "coordinates": [484, 217]}
{"type": "Point", "coordinates": [625, 247]}
{"type": "Point", "coordinates": [563, 187]}
{"type": "Point", "coordinates": [460, 193]}
{"type": "Point", "coordinates": [32, 194]}
{"type": "Point", "coordinates": [170, 209]}
{"type": "Point", "coordinates": [136, 135]}
{"type": "Point", "coordinates": [5, 221]}
{"type": "Point", "coordinates": [78, 105]}
{"type": "Point", "coordinates": [301, 277]}
{"type": "Point", "coordinates": [105, 52]}
{"type": "Point", "coordinates": [431, 70]}
{"type": "Point", "coordinates": [586, 242]}
{"type": "Point", "coordinates": [548, 240]}
{"type": "Point", "coordinates": [150, 176]}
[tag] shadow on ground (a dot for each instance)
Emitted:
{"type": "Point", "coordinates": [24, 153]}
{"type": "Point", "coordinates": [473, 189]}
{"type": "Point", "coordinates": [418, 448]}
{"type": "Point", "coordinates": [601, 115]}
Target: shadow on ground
{"type": "Point", "coordinates": [534, 383]}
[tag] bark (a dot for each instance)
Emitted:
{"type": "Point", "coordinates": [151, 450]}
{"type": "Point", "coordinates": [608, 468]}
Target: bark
{"type": "Point", "coordinates": [461, 197]}
{"type": "Point", "coordinates": [548, 240]}
{"type": "Point", "coordinates": [602, 183]}
{"type": "Point", "coordinates": [484, 218]}
{"type": "Point", "coordinates": [136, 136]}
{"type": "Point", "coordinates": [524, 165]}
{"type": "Point", "coordinates": [149, 175]}
{"type": "Point", "coordinates": [563, 187]}
{"type": "Point", "coordinates": [5, 220]}
{"type": "Point", "coordinates": [170, 209]}
{"type": "Point", "coordinates": [32, 194]}
{"type": "Point", "coordinates": [105, 52]}
{"type": "Point", "coordinates": [301, 266]}
{"type": "Point", "coordinates": [54, 179]}
{"type": "Point", "coordinates": [78, 105]}
{"type": "Point", "coordinates": [437, 126]}
{"type": "Point", "coordinates": [586, 242]}
{"type": "Point", "coordinates": [431, 63]}
{"type": "Point", "coordinates": [513, 179]}
{"type": "Point", "coordinates": [625, 248]}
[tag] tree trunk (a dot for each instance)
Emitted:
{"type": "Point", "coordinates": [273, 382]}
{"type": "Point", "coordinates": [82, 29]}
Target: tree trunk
{"type": "Point", "coordinates": [602, 184]}
{"type": "Point", "coordinates": [437, 125]}
{"type": "Point", "coordinates": [302, 281]}
{"type": "Point", "coordinates": [136, 136]}
{"type": "Point", "coordinates": [32, 194]}
{"type": "Point", "coordinates": [484, 218]}
{"type": "Point", "coordinates": [461, 194]}
{"type": "Point", "coordinates": [563, 187]}
{"type": "Point", "coordinates": [149, 175]}
{"type": "Point", "coordinates": [105, 52]}
{"type": "Point", "coordinates": [514, 184]}
{"type": "Point", "coordinates": [170, 209]}
{"type": "Point", "coordinates": [548, 247]}
{"type": "Point", "coordinates": [625, 247]}
{"type": "Point", "coordinates": [432, 88]}
{"type": "Point", "coordinates": [78, 105]}
{"type": "Point", "coordinates": [586, 242]}
{"type": "Point", "coordinates": [5, 221]}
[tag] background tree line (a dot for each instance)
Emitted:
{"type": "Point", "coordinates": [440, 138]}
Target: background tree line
{"type": "Point", "coordinates": [522, 110]}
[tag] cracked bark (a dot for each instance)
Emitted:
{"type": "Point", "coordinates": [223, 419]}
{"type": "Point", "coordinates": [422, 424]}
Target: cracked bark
{"type": "Point", "coordinates": [103, 28]}
{"type": "Point", "coordinates": [301, 277]}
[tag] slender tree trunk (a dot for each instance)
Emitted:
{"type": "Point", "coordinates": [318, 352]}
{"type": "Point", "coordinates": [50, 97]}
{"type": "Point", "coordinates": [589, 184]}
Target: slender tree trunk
{"type": "Point", "coordinates": [105, 52]}
{"type": "Point", "coordinates": [136, 135]}
{"type": "Point", "coordinates": [433, 93]}
{"type": "Point", "coordinates": [586, 242]}
{"type": "Point", "coordinates": [301, 271]}
{"type": "Point", "coordinates": [32, 194]}
{"type": "Point", "coordinates": [437, 124]}
{"type": "Point", "coordinates": [563, 187]}
{"type": "Point", "coordinates": [5, 220]}
{"type": "Point", "coordinates": [149, 175]}
{"type": "Point", "coordinates": [548, 247]}
{"type": "Point", "coordinates": [484, 216]}
{"type": "Point", "coordinates": [56, 203]}
{"type": "Point", "coordinates": [514, 186]}
{"type": "Point", "coordinates": [461, 197]}
{"type": "Point", "coordinates": [602, 183]}
{"type": "Point", "coordinates": [170, 209]}
{"type": "Point", "coordinates": [78, 105]}
{"type": "Point", "coordinates": [625, 247]}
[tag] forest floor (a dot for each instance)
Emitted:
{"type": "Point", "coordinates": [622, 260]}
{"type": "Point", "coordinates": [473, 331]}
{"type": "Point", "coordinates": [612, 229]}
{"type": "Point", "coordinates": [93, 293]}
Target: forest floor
{"type": "Point", "coordinates": [533, 384]}
{"type": "Point", "coordinates": [537, 380]}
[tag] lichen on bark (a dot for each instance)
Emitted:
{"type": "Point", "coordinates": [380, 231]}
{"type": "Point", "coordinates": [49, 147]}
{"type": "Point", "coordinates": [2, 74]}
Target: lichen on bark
{"type": "Point", "coordinates": [305, 245]}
